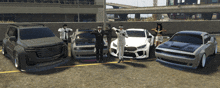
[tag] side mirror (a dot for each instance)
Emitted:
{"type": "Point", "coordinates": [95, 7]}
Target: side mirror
{"type": "Point", "coordinates": [149, 36]}
{"type": "Point", "coordinates": [209, 42]}
{"type": "Point", "coordinates": [12, 38]}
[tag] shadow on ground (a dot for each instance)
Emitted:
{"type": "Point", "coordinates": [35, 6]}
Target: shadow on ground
{"type": "Point", "coordinates": [212, 65]}
{"type": "Point", "coordinates": [115, 66]}
{"type": "Point", "coordinates": [135, 64]}
{"type": "Point", "coordinates": [54, 70]}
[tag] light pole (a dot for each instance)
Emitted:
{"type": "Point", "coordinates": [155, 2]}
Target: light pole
{"type": "Point", "coordinates": [104, 14]}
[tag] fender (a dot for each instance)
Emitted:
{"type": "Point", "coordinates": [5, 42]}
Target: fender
{"type": "Point", "coordinates": [148, 49]}
{"type": "Point", "coordinates": [200, 54]}
{"type": "Point", "coordinates": [21, 54]}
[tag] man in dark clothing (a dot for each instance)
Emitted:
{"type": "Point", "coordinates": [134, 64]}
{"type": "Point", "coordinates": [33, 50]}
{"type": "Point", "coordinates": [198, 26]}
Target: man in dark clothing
{"type": "Point", "coordinates": [109, 38]}
{"type": "Point", "coordinates": [99, 43]}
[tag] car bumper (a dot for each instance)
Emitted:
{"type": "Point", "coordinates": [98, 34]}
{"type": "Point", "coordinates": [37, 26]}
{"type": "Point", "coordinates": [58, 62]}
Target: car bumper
{"type": "Point", "coordinates": [45, 66]}
{"type": "Point", "coordinates": [87, 54]}
{"type": "Point", "coordinates": [177, 60]}
{"type": "Point", "coordinates": [138, 54]}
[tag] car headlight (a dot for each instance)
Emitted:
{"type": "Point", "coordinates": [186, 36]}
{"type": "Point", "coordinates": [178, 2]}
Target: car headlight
{"type": "Point", "coordinates": [142, 46]}
{"type": "Point", "coordinates": [114, 45]}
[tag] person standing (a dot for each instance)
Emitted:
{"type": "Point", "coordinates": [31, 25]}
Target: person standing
{"type": "Point", "coordinates": [109, 39]}
{"type": "Point", "coordinates": [159, 29]}
{"type": "Point", "coordinates": [121, 34]}
{"type": "Point", "coordinates": [64, 33]}
{"type": "Point", "coordinates": [99, 43]}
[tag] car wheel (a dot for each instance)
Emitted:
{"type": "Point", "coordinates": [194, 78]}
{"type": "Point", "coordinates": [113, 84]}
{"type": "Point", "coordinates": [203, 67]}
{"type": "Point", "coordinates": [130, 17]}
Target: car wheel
{"type": "Point", "coordinates": [216, 50]}
{"type": "Point", "coordinates": [203, 61]}
{"type": "Point", "coordinates": [3, 50]}
{"type": "Point", "coordinates": [17, 61]}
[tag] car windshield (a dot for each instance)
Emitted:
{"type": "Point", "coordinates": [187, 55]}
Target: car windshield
{"type": "Point", "coordinates": [85, 35]}
{"type": "Point", "coordinates": [34, 33]}
{"type": "Point", "coordinates": [187, 38]}
{"type": "Point", "coordinates": [136, 33]}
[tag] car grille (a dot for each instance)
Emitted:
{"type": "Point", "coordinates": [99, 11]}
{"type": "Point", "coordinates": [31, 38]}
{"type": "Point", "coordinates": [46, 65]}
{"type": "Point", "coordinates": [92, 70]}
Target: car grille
{"type": "Point", "coordinates": [130, 48]}
{"type": "Point", "coordinates": [129, 54]}
{"type": "Point", "coordinates": [86, 55]}
{"type": "Point", "coordinates": [49, 51]}
{"type": "Point", "coordinates": [175, 54]}
{"type": "Point", "coordinates": [177, 62]}
{"type": "Point", "coordinates": [86, 48]}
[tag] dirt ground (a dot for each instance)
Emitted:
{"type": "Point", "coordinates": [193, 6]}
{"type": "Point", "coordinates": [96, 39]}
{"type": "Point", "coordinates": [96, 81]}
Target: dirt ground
{"type": "Point", "coordinates": [146, 73]}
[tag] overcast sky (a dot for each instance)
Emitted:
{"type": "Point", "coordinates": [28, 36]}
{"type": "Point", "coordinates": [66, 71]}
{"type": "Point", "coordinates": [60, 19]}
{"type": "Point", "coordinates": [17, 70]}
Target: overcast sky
{"type": "Point", "coordinates": [139, 3]}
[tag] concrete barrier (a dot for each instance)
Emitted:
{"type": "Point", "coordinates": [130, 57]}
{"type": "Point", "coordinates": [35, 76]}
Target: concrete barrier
{"type": "Point", "coordinates": [171, 26]}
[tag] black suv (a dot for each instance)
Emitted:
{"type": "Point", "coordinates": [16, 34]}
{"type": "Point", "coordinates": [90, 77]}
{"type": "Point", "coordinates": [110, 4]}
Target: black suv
{"type": "Point", "coordinates": [33, 48]}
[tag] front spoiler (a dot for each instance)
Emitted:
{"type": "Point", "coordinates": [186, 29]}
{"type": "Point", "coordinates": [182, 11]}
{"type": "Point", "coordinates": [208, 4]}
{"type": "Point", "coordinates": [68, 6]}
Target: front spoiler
{"type": "Point", "coordinates": [162, 61]}
{"type": "Point", "coordinates": [45, 66]}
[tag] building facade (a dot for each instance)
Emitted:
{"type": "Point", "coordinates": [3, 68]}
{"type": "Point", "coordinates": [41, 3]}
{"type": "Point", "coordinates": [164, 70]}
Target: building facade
{"type": "Point", "coordinates": [206, 16]}
{"type": "Point", "coordinates": [51, 10]}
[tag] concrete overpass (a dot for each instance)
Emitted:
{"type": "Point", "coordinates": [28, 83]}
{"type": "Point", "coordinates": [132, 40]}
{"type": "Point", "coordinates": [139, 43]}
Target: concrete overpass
{"type": "Point", "coordinates": [122, 17]}
{"type": "Point", "coordinates": [168, 9]}
{"type": "Point", "coordinates": [121, 5]}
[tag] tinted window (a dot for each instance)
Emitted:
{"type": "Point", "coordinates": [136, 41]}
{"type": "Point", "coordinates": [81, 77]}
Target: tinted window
{"type": "Point", "coordinates": [136, 33]}
{"type": "Point", "coordinates": [207, 39]}
{"type": "Point", "coordinates": [186, 38]}
{"type": "Point", "coordinates": [85, 35]}
{"type": "Point", "coordinates": [34, 33]}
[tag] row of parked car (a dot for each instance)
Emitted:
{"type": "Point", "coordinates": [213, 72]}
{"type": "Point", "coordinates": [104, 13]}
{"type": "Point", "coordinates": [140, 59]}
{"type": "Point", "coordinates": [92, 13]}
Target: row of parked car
{"type": "Point", "coordinates": [35, 47]}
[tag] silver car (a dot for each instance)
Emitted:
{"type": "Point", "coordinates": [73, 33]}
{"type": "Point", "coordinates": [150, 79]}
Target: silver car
{"type": "Point", "coordinates": [187, 49]}
{"type": "Point", "coordinates": [83, 45]}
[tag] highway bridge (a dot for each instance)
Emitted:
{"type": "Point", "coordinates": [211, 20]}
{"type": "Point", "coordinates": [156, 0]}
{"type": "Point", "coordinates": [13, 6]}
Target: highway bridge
{"type": "Point", "coordinates": [168, 9]}
{"type": "Point", "coordinates": [121, 5]}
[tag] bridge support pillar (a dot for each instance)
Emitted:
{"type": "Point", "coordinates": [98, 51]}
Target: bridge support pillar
{"type": "Point", "coordinates": [138, 16]}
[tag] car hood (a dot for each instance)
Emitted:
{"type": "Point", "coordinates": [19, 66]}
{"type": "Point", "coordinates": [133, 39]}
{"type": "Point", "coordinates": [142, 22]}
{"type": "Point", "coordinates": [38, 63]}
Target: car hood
{"type": "Point", "coordinates": [85, 41]}
{"type": "Point", "coordinates": [42, 42]}
{"type": "Point", "coordinates": [188, 47]}
{"type": "Point", "coordinates": [132, 41]}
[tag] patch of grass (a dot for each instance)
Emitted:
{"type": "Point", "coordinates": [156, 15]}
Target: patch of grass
{"type": "Point", "coordinates": [7, 21]}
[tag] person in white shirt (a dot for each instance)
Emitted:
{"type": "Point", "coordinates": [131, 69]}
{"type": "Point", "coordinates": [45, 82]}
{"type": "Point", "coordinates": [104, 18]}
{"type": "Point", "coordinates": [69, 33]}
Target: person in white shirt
{"type": "Point", "coordinates": [64, 33]}
{"type": "Point", "coordinates": [121, 34]}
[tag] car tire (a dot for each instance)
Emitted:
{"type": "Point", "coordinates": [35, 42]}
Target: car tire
{"type": "Point", "coordinates": [17, 63]}
{"type": "Point", "coordinates": [215, 50]}
{"type": "Point", "coordinates": [203, 61]}
{"type": "Point", "coordinates": [4, 52]}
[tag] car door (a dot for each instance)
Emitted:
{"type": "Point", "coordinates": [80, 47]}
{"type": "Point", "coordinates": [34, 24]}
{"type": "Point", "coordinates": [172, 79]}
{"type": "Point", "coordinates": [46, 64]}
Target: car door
{"type": "Point", "coordinates": [11, 44]}
{"type": "Point", "coordinates": [149, 37]}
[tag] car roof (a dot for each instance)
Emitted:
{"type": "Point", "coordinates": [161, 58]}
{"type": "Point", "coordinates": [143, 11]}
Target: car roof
{"type": "Point", "coordinates": [193, 32]}
{"type": "Point", "coordinates": [135, 29]}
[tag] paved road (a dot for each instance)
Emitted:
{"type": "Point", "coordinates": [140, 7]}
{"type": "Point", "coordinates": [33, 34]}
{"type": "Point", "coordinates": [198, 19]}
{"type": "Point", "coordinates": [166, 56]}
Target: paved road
{"type": "Point", "coordinates": [145, 73]}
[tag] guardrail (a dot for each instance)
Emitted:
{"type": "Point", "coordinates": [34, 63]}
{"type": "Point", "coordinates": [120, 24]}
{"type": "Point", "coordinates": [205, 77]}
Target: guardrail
{"type": "Point", "coordinates": [51, 2]}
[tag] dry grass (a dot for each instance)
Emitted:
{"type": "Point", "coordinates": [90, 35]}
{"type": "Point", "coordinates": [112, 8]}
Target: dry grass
{"type": "Point", "coordinates": [7, 21]}
{"type": "Point", "coordinates": [145, 19]}
{"type": "Point", "coordinates": [194, 19]}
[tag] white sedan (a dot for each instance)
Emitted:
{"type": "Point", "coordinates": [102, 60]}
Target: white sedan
{"type": "Point", "coordinates": [137, 44]}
